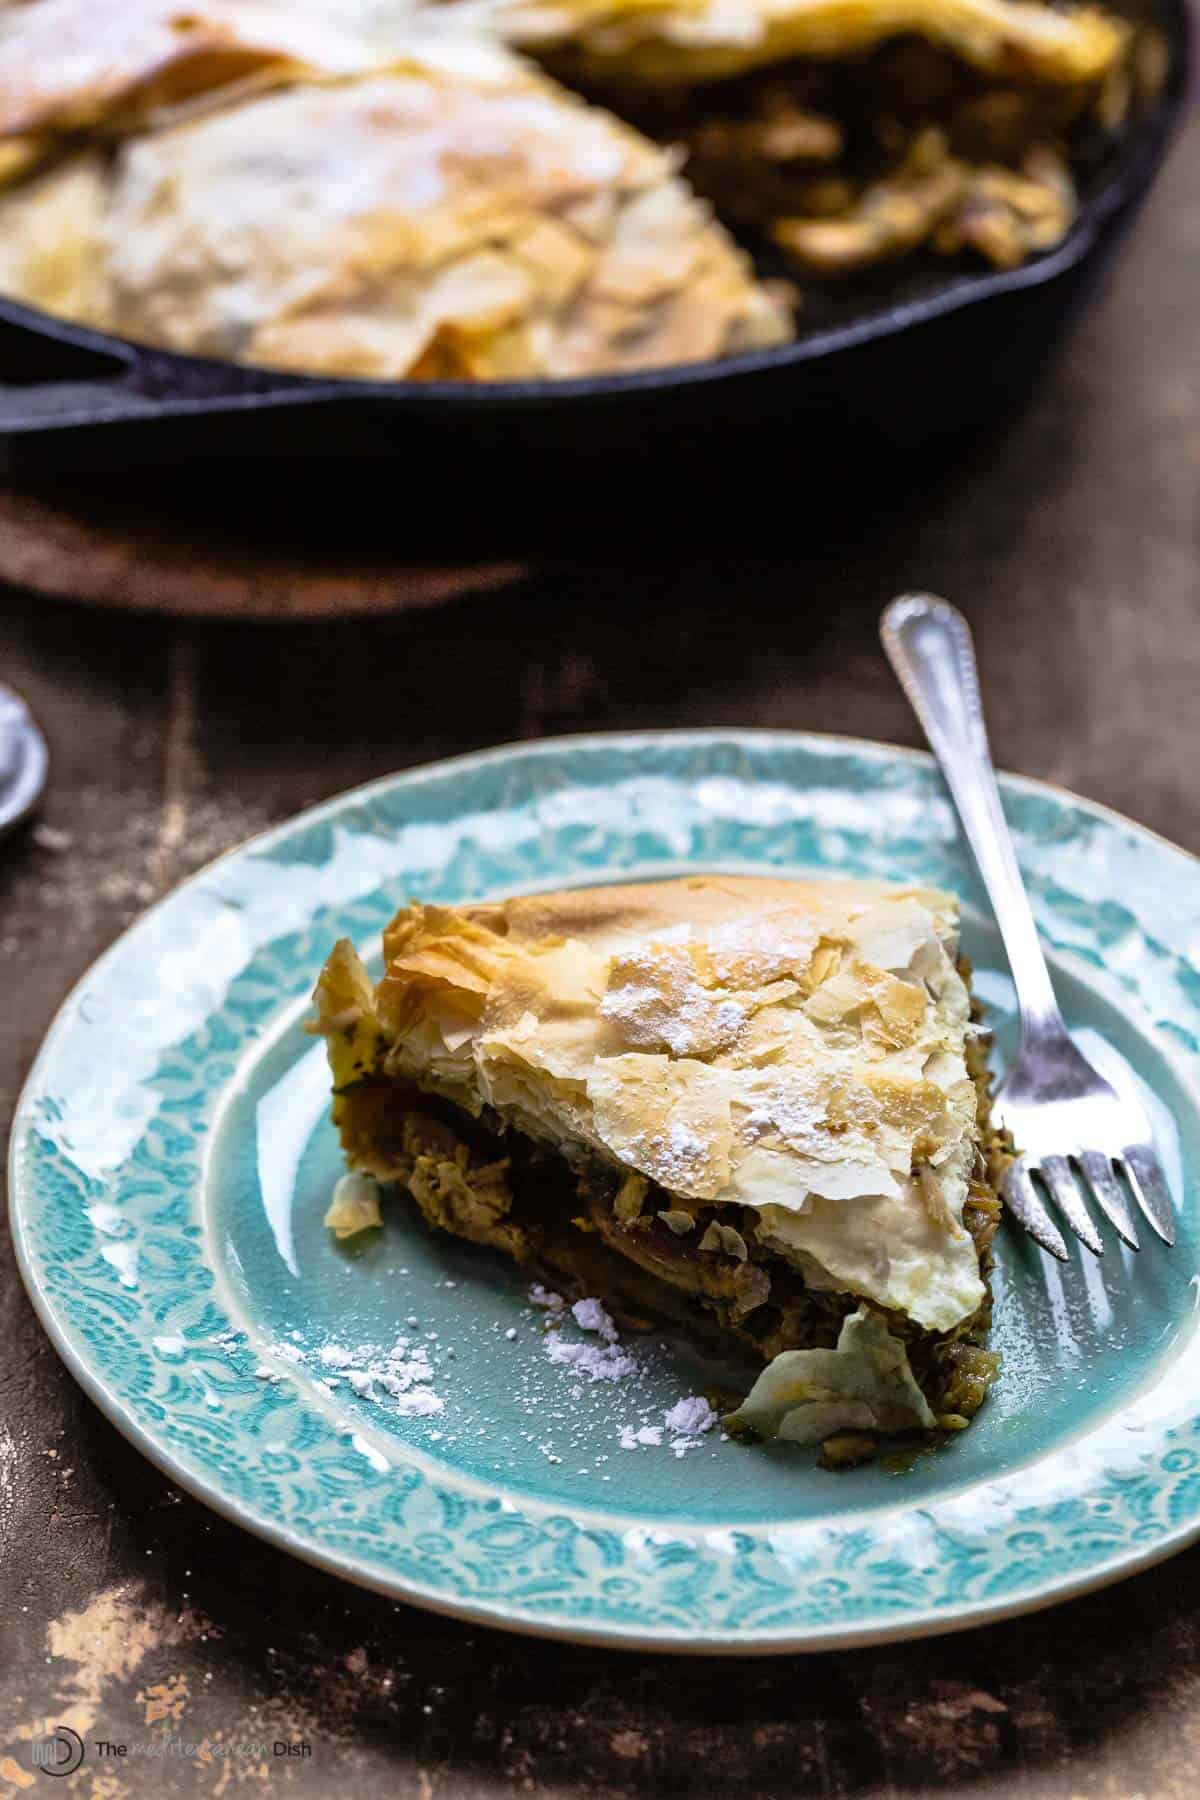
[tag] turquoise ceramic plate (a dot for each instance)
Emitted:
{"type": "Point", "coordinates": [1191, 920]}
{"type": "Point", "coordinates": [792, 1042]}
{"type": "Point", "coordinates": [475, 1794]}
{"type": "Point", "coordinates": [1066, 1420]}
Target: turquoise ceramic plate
{"type": "Point", "coordinates": [171, 1162]}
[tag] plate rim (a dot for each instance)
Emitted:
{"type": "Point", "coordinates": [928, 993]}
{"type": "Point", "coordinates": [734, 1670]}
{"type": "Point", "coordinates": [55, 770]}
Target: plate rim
{"type": "Point", "coordinates": [904, 1627]}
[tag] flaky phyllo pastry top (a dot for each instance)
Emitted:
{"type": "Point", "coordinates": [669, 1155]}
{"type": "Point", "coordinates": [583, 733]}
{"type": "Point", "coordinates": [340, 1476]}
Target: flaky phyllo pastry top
{"type": "Point", "coordinates": [457, 215]}
{"type": "Point", "coordinates": [792, 1048]}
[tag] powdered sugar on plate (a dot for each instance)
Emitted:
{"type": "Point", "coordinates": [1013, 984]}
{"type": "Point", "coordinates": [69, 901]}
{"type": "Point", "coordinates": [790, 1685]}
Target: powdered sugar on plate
{"type": "Point", "coordinates": [685, 1423]}
{"type": "Point", "coordinates": [605, 1361]}
{"type": "Point", "coordinates": [540, 1296]}
{"type": "Point", "coordinates": [578, 1391]}
{"type": "Point", "coordinates": [633, 1436]}
{"type": "Point", "coordinates": [690, 1417]}
{"type": "Point", "coordinates": [599, 1362]}
{"type": "Point", "coordinates": [589, 1315]}
{"type": "Point", "coordinates": [398, 1376]}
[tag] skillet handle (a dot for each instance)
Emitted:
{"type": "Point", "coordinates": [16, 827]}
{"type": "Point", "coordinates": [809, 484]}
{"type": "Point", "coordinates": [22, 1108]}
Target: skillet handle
{"type": "Point", "coordinates": [34, 407]}
{"type": "Point", "coordinates": [56, 376]}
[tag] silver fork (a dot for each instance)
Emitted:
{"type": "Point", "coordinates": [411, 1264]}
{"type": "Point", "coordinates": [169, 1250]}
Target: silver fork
{"type": "Point", "coordinates": [1065, 1119]}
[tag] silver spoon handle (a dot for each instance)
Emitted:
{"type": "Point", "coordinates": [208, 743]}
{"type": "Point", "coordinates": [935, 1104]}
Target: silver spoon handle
{"type": "Point", "coordinates": [928, 643]}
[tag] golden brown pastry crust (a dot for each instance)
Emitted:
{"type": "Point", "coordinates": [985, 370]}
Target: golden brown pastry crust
{"type": "Point", "coordinates": [606, 916]}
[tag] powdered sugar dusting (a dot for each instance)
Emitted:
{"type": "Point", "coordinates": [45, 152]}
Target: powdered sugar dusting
{"type": "Point", "coordinates": [398, 1376]}
{"type": "Point", "coordinates": [759, 948]}
{"type": "Point", "coordinates": [658, 1003]}
{"type": "Point", "coordinates": [589, 1315]}
{"type": "Point", "coordinates": [690, 1417]}
{"type": "Point", "coordinates": [632, 1437]}
{"type": "Point", "coordinates": [793, 1109]}
{"type": "Point", "coordinates": [422, 1403]}
{"type": "Point", "coordinates": [680, 1157]}
{"type": "Point", "coordinates": [540, 1296]}
{"type": "Point", "coordinates": [576, 1390]}
{"type": "Point", "coordinates": [599, 1362]}
{"type": "Point", "coordinates": [686, 1423]}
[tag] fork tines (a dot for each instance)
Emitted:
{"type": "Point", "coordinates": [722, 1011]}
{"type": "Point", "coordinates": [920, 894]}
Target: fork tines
{"type": "Point", "coordinates": [1061, 1178]}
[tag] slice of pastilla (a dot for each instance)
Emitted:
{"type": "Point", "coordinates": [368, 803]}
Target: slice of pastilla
{"type": "Point", "coordinates": [755, 1107]}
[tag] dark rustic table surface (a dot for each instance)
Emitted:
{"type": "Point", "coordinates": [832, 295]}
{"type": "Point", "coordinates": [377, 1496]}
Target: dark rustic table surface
{"type": "Point", "coordinates": [126, 1609]}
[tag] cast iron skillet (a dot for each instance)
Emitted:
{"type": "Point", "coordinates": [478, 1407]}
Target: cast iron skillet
{"type": "Point", "coordinates": [933, 354]}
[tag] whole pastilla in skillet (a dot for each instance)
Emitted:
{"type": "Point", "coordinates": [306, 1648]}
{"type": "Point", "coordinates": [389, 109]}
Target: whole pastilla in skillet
{"type": "Point", "coordinates": [480, 190]}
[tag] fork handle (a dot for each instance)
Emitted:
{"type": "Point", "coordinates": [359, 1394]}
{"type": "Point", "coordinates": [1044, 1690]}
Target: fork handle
{"type": "Point", "coordinates": [928, 643]}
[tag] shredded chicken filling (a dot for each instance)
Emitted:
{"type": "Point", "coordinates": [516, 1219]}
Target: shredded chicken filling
{"type": "Point", "coordinates": [651, 1256]}
{"type": "Point", "coordinates": [848, 164]}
